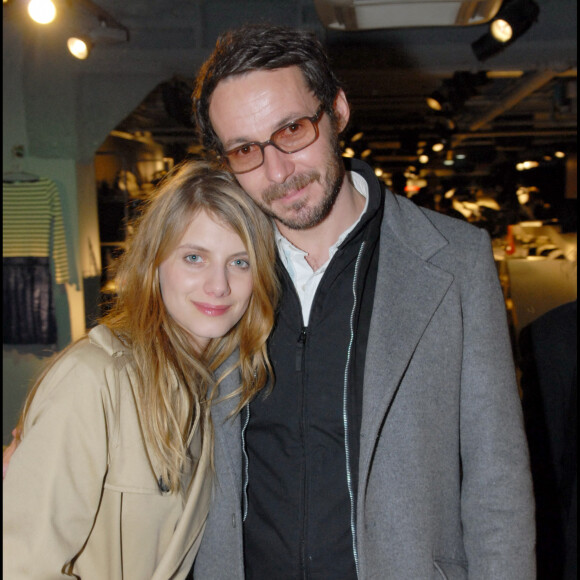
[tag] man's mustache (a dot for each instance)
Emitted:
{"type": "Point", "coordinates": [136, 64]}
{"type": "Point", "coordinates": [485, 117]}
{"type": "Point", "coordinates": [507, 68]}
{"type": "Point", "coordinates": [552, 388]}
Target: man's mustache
{"type": "Point", "coordinates": [280, 190]}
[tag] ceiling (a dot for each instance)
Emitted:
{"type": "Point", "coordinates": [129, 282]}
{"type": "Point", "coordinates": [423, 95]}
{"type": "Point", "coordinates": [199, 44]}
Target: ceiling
{"type": "Point", "coordinates": [520, 103]}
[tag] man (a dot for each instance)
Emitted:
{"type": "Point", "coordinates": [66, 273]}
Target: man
{"type": "Point", "coordinates": [391, 444]}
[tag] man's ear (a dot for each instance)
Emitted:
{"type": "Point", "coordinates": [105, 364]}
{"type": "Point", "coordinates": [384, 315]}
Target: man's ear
{"type": "Point", "coordinates": [341, 110]}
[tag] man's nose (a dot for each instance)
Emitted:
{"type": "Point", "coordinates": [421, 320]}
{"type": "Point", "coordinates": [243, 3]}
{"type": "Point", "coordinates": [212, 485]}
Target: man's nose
{"type": "Point", "coordinates": [277, 164]}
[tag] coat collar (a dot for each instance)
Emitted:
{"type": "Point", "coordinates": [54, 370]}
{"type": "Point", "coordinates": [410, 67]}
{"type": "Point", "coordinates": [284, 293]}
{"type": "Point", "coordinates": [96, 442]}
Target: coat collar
{"type": "Point", "coordinates": [409, 289]}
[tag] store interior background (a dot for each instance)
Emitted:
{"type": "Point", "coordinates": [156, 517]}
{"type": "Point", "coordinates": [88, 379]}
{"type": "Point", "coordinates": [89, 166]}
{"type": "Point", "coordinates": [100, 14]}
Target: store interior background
{"type": "Point", "coordinates": [107, 128]}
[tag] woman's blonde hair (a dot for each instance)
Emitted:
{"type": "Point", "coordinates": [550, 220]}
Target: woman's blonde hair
{"type": "Point", "coordinates": [176, 385]}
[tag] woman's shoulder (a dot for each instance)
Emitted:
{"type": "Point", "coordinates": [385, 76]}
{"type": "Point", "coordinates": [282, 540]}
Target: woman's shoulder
{"type": "Point", "coordinates": [96, 361]}
{"type": "Point", "coordinates": [101, 346]}
{"type": "Point", "coordinates": [103, 338]}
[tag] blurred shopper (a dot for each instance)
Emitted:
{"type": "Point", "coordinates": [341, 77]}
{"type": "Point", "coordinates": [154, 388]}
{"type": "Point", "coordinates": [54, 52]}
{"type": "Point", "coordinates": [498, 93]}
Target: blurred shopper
{"type": "Point", "coordinates": [549, 360]}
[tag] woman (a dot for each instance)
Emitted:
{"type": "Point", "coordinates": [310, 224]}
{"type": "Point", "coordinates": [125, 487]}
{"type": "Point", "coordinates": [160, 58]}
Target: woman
{"type": "Point", "coordinates": [112, 477]}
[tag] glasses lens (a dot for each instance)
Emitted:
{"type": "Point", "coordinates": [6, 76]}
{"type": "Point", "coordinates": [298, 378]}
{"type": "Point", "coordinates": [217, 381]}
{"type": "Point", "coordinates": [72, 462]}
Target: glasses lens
{"type": "Point", "coordinates": [289, 139]}
{"type": "Point", "coordinates": [245, 158]}
{"type": "Point", "coordinates": [295, 136]}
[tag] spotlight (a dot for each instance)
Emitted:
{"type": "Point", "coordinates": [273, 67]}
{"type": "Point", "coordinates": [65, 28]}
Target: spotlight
{"type": "Point", "coordinates": [501, 30]}
{"type": "Point", "coordinates": [79, 47]}
{"type": "Point", "coordinates": [436, 101]}
{"type": "Point", "coordinates": [453, 92]}
{"type": "Point", "coordinates": [42, 11]}
{"type": "Point", "coordinates": [513, 19]}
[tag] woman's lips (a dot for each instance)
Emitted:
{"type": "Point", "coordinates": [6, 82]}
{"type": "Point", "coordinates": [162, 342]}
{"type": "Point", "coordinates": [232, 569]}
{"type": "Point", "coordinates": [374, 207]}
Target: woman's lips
{"type": "Point", "coordinates": [210, 309]}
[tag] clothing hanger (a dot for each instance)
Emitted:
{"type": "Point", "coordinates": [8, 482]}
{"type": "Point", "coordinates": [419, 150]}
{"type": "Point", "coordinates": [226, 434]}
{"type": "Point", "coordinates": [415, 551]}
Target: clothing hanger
{"type": "Point", "coordinates": [17, 175]}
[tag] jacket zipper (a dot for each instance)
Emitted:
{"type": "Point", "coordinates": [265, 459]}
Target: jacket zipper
{"type": "Point", "coordinates": [345, 414]}
{"type": "Point", "coordinates": [301, 344]}
{"type": "Point", "coordinates": [300, 354]}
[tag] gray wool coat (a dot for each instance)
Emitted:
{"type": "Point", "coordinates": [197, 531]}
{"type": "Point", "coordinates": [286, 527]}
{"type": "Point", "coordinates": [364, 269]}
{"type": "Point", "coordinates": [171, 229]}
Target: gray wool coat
{"type": "Point", "coordinates": [444, 482]}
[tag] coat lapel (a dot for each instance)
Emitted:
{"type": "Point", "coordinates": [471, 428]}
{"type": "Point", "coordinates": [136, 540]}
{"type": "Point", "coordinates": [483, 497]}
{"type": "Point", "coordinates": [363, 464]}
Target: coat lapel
{"type": "Point", "coordinates": [408, 291]}
{"type": "Point", "coordinates": [228, 434]}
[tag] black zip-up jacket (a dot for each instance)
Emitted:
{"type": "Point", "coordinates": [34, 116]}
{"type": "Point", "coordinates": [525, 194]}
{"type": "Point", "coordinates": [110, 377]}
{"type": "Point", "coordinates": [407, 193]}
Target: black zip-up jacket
{"type": "Point", "coordinates": [302, 440]}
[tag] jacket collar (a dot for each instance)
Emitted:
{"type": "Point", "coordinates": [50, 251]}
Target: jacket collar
{"type": "Point", "coordinates": [402, 218]}
{"type": "Point", "coordinates": [409, 289]}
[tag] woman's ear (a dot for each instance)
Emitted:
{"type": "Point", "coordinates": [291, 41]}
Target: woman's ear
{"type": "Point", "coordinates": [341, 110]}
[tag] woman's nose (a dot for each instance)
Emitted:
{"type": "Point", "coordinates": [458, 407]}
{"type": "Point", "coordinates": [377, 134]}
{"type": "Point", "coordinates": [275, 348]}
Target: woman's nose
{"type": "Point", "coordinates": [217, 281]}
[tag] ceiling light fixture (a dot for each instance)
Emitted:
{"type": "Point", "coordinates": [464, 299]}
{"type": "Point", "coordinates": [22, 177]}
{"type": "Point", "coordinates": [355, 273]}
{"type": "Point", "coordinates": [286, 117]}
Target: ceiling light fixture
{"type": "Point", "coordinates": [453, 92]}
{"type": "Point", "coordinates": [501, 30]}
{"type": "Point", "coordinates": [436, 101]}
{"type": "Point", "coordinates": [513, 19]}
{"type": "Point", "coordinates": [95, 27]}
{"type": "Point", "coordinates": [79, 47]}
{"type": "Point", "coordinates": [42, 11]}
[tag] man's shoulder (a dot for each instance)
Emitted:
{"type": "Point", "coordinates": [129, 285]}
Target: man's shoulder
{"type": "Point", "coordinates": [428, 232]}
{"type": "Point", "coordinates": [441, 221]}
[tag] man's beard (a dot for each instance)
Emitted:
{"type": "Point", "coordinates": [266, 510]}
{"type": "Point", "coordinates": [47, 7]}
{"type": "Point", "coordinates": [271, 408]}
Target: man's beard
{"type": "Point", "coordinates": [299, 215]}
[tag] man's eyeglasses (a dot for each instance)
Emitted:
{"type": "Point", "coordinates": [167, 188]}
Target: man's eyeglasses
{"type": "Point", "coordinates": [290, 138]}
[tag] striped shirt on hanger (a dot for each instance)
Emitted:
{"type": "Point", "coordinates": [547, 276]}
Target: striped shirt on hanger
{"type": "Point", "coordinates": [32, 224]}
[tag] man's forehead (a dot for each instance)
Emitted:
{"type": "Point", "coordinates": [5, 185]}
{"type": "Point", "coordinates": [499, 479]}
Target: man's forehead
{"type": "Point", "coordinates": [252, 106]}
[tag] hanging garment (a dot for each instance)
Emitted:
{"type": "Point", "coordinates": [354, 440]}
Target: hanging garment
{"type": "Point", "coordinates": [33, 237]}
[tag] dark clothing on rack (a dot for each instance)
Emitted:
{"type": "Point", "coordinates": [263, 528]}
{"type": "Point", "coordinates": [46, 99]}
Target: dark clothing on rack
{"type": "Point", "coordinates": [34, 250]}
{"type": "Point", "coordinates": [27, 302]}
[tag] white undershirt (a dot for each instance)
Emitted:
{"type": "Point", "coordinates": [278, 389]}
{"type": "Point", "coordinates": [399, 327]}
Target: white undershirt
{"type": "Point", "coordinates": [305, 279]}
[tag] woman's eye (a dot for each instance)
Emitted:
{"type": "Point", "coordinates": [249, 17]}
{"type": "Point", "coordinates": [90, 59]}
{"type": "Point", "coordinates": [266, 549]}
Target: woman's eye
{"type": "Point", "coordinates": [240, 263]}
{"type": "Point", "coordinates": [194, 258]}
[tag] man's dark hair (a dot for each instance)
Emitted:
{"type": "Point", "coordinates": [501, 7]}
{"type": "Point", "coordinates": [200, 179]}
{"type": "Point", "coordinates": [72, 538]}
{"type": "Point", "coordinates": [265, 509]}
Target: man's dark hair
{"type": "Point", "coordinates": [261, 47]}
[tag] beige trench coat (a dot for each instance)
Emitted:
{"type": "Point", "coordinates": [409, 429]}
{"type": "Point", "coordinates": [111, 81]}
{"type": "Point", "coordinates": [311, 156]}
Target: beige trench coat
{"type": "Point", "coordinates": [81, 496]}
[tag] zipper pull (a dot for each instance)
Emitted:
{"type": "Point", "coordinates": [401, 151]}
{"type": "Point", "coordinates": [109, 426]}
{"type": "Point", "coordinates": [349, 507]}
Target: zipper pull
{"type": "Point", "coordinates": [300, 349]}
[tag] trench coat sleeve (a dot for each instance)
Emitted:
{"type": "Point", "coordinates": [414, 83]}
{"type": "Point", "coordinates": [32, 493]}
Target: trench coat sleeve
{"type": "Point", "coordinates": [53, 488]}
{"type": "Point", "coordinates": [497, 497]}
